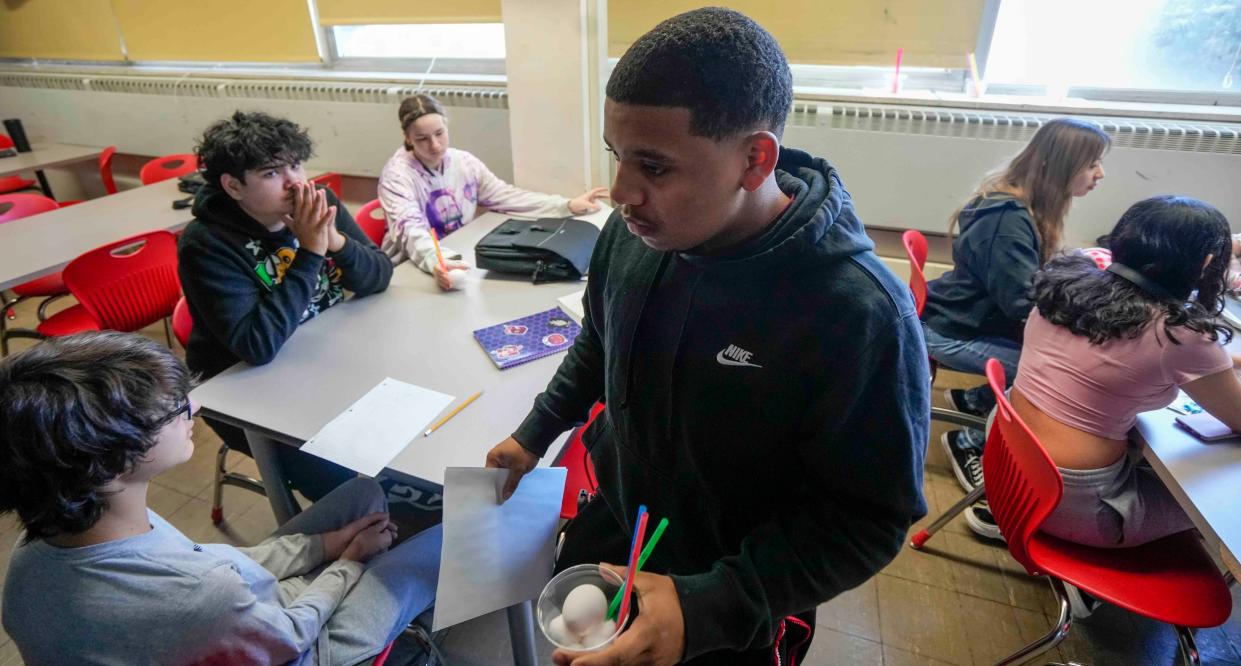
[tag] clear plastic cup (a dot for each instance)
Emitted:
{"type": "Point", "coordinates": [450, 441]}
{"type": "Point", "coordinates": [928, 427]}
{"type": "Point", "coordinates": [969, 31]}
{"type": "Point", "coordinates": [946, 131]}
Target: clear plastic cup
{"type": "Point", "coordinates": [552, 600]}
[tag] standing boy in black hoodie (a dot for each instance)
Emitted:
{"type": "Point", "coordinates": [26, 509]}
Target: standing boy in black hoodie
{"type": "Point", "coordinates": [764, 374]}
{"type": "Point", "coordinates": [266, 252]}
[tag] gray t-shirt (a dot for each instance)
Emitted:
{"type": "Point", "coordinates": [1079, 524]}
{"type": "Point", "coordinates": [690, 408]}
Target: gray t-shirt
{"type": "Point", "coordinates": [159, 598]}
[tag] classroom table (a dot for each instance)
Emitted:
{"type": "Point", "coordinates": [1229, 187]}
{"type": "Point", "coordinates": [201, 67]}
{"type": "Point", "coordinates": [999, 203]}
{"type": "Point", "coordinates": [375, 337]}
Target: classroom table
{"type": "Point", "coordinates": [415, 333]}
{"type": "Point", "coordinates": [46, 156]}
{"type": "Point", "coordinates": [42, 244]}
{"type": "Point", "coordinates": [1203, 477]}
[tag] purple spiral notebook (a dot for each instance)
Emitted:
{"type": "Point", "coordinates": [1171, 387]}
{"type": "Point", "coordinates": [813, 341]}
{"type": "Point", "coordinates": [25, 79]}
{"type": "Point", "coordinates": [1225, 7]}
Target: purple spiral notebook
{"type": "Point", "coordinates": [521, 340]}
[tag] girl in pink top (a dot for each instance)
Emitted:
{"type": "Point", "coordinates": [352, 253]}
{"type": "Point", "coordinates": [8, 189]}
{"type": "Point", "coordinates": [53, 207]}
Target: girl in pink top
{"type": "Point", "coordinates": [427, 185]}
{"type": "Point", "coordinates": [1103, 345]}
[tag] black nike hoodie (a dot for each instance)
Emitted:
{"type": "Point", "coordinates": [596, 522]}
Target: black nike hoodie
{"type": "Point", "coordinates": [773, 404]}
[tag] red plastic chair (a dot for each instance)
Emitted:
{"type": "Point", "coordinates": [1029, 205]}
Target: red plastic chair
{"type": "Point", "coordinates": [916, 249]}
{"type": "Point", "coordinates": [332, 181]}
{"type": "Point", "coordinates": [105, 169]}
{"type": "Point", "coordinates": [1171, 580]}
{"type": "Point", "coordinates": [581, 473]}
{"type": "Point", "coordinates": [49, 287]}
{"type": "Point", "coordinates": [168, 166]}
{"type": "Point", "coordinates": [182, 324]}
{"type": "Point", "coordinates": [21, 204]}
{"type": "Point", "coordinates": [122, 286]}
{"type": "Point", "coordinates": [373, 221]}
{"type": "Point", "coordinates": [12, 183]}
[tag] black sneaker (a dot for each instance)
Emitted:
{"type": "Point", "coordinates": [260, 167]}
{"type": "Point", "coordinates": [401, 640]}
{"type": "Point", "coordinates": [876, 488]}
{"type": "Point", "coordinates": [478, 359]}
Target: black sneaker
{"type": "Point", "coordinates": [956, 399]}
{"type": "Point", "coordinates": [980, 520]}
{"type": "Point", "coordinates": [965, 456]}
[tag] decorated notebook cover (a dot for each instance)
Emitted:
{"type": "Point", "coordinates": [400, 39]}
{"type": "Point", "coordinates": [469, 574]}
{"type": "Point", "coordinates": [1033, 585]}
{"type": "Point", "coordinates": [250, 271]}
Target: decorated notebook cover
{"type": "Point", "coordinates": [521, 340]}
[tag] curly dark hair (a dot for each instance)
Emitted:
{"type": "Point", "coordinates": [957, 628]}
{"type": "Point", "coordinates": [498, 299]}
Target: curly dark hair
{"type": "Point", "coordinates": [718, 63]}
{"type": "Point", "coordinates": [75, 413]}
{"type": "Point", "coordinates": [1167, 239]}
{"type": "Point", "coordinates": [248, 140]}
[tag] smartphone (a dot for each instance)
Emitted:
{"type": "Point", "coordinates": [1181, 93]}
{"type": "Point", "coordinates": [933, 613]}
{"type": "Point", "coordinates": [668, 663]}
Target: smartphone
{"type": "Point", "coordinates": [1205, 427]}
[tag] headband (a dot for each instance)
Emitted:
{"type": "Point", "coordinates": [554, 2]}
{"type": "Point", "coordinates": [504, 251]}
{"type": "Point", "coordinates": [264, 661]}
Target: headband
{"type": "Point", "coordinates": [1140, 281]}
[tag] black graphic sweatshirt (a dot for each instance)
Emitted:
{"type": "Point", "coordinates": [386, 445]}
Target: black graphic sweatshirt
{"type": "Point", "coordinates": [772, 404]}
{"type": "Point", "coordinates": [248, 288]}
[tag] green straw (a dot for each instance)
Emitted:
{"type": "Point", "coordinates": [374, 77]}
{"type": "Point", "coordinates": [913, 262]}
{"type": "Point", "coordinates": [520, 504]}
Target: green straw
{"type": "Point", "coordinates": [614, 607]}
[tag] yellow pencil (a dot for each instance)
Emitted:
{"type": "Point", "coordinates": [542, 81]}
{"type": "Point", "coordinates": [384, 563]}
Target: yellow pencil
{"type": "Point", "coordinates": [449, 415]}
{"type": "Point", "coordinates": [439, 256]}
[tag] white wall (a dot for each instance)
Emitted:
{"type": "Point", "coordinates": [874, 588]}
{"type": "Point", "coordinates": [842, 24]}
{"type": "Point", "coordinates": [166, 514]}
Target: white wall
{"type": "Point", "coordinates": [903, 181]}
{"type": "Point", "coordinates": [350, 137]}
{"type": "Point", "coordinates": [898, 180]}
{"type": "Point", "coordinates": [549, 89]}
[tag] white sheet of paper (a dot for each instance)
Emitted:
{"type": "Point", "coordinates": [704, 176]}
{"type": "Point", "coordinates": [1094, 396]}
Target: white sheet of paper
{"type": "Point", "coordinates": [368, 435]}
{"type": "Point", "coordinates": [572, 305]}
{"type": "Point", "coordinates": [495, 555]}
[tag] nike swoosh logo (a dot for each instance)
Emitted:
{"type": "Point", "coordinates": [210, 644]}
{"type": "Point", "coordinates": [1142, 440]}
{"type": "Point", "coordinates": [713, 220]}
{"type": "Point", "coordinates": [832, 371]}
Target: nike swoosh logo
{"type": "Point", "coordinates": [724, 360]}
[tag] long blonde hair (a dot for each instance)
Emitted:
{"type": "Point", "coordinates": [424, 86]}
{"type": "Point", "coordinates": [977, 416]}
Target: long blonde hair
{"type": "Point", "coordinates": [1039, 176]}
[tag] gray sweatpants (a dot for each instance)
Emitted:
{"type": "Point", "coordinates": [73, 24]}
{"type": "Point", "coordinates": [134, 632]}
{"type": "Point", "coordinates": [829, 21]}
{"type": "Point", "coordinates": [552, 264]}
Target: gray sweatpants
{"type": "Point", "coordinates": [397, 587]}
{"type": "Point", "coordinates": [1118, 506]}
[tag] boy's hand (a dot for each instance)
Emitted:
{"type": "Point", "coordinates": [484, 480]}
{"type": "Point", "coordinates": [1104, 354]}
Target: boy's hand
{"type": "Point", "coordinates": [312, 221]}
{"type": "Point", "coordinates": [371, 540]}
{"type": "Point", "coordinates": [514, 457]}
{"type": "Point", "coordinates": [657, 635]}
{"type": "Point", "coordinates": [335, 542]}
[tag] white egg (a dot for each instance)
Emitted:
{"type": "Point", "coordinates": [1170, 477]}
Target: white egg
{"type": "Point", "coordinates": [559, 633]}
{"type": "Point", "coordinates": [599, 634]}
{"type": "Point", "coordinates": [584, 608]}
{"type": "Point", "coordinates": [457, 277]}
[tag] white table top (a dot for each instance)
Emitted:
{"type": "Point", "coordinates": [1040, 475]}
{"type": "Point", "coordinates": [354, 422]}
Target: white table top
{"type": "Point", "coordinates": [412, 332]}
{"type": "Point", "coordinates": [1204, 477]}
{"type": "Point", "coordinates": [46, 156]}
{"type": "Point", "coordinates": [41, 244]}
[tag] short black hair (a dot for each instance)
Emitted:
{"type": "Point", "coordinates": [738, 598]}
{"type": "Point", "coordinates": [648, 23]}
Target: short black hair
{"type": "Point", "coordinates": [75, 413]}
{"type": "Point", "coordinates": [718, 63]}
{"type": "Point", "coordinates": [248, 140]}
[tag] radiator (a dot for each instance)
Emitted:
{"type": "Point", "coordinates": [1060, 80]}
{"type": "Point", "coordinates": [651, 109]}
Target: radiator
{"type": "Point", "coordinates": [910, 167]}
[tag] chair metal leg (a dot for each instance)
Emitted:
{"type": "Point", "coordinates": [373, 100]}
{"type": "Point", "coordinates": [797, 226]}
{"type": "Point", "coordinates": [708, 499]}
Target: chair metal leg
{"type": "Point", "coordinates": [223, 477]}
{"type": "Point", "coordinates": [46, 302]}
{"type": "Point", "coordinates": [217, 495]}
{"type": "Point", "coordinates": [958, 418]}
{"type": "Point", "coordinates": [1051, 638]}
{"type": "Point", "coordinates": [1189, 647]}
{"type": "Point", "coordinates": [168, 331]}
{"type": "Point", "coordinates": [926, 533]}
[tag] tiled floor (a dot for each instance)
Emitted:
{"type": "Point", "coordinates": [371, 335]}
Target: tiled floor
{"type": "Point", "coordinates": [962, 601]}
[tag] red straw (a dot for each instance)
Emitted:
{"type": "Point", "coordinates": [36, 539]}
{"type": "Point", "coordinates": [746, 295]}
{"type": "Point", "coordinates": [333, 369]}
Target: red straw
{"type": "Point", "coordinates": [630, 573]}
{"type": "Point", "coordinates": [896, 80]}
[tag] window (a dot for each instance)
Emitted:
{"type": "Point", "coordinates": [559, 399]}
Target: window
{"type": "Point", "coordinates": [1153, 45]}
{"type": "Point", "coordinates": [472, 48]}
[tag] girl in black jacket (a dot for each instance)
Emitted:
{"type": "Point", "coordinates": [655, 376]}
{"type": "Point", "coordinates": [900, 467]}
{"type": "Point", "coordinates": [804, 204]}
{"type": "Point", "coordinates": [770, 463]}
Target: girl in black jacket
{"type": "Point", "coordinates": [1010, 227]}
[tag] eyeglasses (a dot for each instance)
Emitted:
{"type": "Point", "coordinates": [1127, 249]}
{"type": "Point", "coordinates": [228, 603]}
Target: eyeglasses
{"type": "Point", "coordinates": [187, 409]}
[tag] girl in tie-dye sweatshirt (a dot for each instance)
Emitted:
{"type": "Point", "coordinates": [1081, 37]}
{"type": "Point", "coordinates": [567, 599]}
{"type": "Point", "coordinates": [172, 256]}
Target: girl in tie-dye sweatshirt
{"type": "Point", "coordinates": [427, 185]}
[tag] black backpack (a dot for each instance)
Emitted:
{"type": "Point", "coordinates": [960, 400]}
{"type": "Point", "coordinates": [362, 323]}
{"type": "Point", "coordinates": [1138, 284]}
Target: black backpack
{"type": "Point", "coordinates": [545, 249]}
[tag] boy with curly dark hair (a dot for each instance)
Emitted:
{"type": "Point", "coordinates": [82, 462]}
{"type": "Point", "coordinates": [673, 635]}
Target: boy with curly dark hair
{"type": "Point", "coordinates": [266, 252]}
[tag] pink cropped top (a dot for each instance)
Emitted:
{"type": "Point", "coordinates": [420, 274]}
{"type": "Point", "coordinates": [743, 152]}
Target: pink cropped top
{"type": "Point", "coordinates": [1101, 389]}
